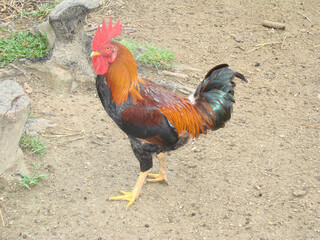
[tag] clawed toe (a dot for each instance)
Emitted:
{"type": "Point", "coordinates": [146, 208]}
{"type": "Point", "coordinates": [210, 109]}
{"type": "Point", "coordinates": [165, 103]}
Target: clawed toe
{"type": "Point", "coordinates": [157, 177]}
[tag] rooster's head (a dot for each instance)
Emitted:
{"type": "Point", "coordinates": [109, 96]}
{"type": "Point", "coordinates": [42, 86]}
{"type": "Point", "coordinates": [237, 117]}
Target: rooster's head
{"type": "Point", "coordinates": [103, 51]}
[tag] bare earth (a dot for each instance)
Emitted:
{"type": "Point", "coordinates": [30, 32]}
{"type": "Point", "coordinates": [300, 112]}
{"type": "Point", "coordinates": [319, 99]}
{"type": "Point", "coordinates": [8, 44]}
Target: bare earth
{"type": "Point", "coordinates": [257, 178]}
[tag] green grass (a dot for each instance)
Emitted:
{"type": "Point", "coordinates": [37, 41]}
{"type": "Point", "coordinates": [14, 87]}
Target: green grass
{"type": "Point", "coordinates": [132, 46]}
{"type": "Point", "coordinates": [32, 179]}
{"type": "Point", "coordinates": [32, 144]}
{"type": "Point", "coordinates": [150, 54]}
{"type": "Point", "coordinates": [22, 45]}
{"type": "Point", "coordinates": [31, 116]}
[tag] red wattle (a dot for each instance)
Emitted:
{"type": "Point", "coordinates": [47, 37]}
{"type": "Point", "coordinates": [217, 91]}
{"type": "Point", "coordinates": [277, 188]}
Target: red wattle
{"type": "Point", "coordinates": [100, 64]}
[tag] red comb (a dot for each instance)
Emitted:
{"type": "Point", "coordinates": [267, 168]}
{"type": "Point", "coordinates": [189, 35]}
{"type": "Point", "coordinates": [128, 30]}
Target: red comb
{"type": "Point", "coordinates": [105, 34]}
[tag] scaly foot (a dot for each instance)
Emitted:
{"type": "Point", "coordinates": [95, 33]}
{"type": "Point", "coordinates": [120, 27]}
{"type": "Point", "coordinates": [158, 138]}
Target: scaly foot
{"type": "Point", "coordinates": [127, 196]}
{"type": "Point", "coordinates": [134, 194]}
{"type": "Point", "coordinates": [160, 177]}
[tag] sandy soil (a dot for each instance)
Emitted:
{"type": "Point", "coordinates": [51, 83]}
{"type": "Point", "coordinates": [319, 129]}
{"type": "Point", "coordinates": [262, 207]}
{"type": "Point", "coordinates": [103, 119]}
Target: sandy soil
{"type": "Point", "coordinates": [257, 178]}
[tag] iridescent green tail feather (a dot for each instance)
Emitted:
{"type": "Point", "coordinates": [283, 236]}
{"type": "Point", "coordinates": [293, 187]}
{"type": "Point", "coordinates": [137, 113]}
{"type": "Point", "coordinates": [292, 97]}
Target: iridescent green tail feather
{"type": "Point", "coordinates": [214, 96]}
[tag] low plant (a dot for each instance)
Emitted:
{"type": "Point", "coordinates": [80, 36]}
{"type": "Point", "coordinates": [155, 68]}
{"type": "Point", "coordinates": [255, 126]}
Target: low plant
{"type": "Point", "coordinates": [150, 54]}
{"type": "Point", "coordinates": [22, 45]}
{"type": "Point", "coordinates": [40, 11]}
{"type": "Point", "coordinates": [32, 144]}
{"type": "Point", "coordinates": [32, 179]}
{"type": "Point", "coordinates": [31, 116]}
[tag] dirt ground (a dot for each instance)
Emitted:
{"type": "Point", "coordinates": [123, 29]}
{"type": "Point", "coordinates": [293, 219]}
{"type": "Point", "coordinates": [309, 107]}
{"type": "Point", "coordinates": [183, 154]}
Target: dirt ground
{"type": "Point", "coordinates": [257, 178]}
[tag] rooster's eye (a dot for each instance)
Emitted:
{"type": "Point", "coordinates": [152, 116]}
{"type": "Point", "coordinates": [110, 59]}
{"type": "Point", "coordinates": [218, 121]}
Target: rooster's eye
{"type": "Point", "coordinates": [108, 48]}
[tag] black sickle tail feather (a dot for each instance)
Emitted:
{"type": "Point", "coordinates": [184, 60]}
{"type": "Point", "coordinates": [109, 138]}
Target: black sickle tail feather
{"type": "Point", "coordinates": [214, 96]}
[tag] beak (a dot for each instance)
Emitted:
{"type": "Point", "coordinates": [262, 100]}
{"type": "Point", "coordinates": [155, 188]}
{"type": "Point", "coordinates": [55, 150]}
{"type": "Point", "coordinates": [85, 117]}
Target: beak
{"type": "Point", "coordinates": [94, 54]}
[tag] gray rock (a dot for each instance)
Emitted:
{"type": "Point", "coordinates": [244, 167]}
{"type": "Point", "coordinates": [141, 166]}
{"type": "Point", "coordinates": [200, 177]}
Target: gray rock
{"type": "Point", "coordinates": [47, 30]}
{"type": "Point", "coordinates": [238, 38]}
{"type": "Point", "coordinates": [69, 59]}
{"type": "Point", "coordinates": [37, 125]}
{"type": "Point", "coordinates": [299, 192]}
{"type": "Point", "coordinates": [14, 110]}
{"type": "Point", "coordinates": [12, 97]}
{"type": "Point", "coordinates": [67, 19]}
{"type": "Point", "coordinates": [74, 85]}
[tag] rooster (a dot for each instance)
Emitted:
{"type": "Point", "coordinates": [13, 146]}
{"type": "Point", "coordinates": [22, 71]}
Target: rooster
{"type": "Point", "coordinates": [156, 120]}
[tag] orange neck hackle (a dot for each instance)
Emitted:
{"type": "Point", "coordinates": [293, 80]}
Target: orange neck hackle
{"type": "Point", "coordinates": [122, 77]}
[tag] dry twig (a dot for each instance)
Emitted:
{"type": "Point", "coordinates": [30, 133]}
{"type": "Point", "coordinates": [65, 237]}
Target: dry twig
{"type": "Point", "coordinates": [160, 196]}
{"type": "Point", "coordinates": [258, 46]}
{"type": "Point", "coordinates": [265, 44]}
{"type": "Point", "coordinates": [24, 73]}
{"type": "Point", "coordinates": [308, 125]}
{"type": "Point", "coordinates": [303, 15]}
{"type": "Point", "coordinates": [53, 107]}
{"type": "Point", "coordinates": [274, 25]}
{"type": "Point", "coordinates": [282, 44]}
{"type": "Point", "coordinates": [69, 133]}
{"type": "Point", "coordinates": [71, 140]}
{"type": "Point", "coordinates": [58, 135]}
{"type": "Point", "coordinates": [2, 219]}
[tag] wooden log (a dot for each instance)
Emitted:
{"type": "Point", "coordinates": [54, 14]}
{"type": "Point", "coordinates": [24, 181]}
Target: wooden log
{"type": "Point", "coordinates": [14, 111]}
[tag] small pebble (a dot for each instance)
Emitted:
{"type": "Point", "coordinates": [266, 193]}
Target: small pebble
{"type": "Point", "coordinates": [257, 187]}
{"type": "Point", "coordinates": [74, 85]}
{"type": "Point", "coordinates": [299, 193]}
{"type": "Point", "coordinates": [226, 216]}
{"type": "Point", "coordinates": [195, 149]}
{"type": "Point", "coordinates": [147, 225]}
{"type": "Point", "coordinates": [257, 64]}
{"type": "Point", "coordinates": [238, 39]}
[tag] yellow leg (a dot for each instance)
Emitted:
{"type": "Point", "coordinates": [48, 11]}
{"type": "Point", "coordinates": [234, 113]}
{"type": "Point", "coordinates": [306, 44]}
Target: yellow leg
{"type": "Point", "coordinates": [161, 176]}
{"type": "Point", "coordinates": [134, 194]}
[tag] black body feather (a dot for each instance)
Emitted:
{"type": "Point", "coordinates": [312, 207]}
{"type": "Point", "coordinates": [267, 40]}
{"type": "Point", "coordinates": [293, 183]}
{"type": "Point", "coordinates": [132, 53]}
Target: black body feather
{"type": "Point", "coordinates": [163, 131]}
